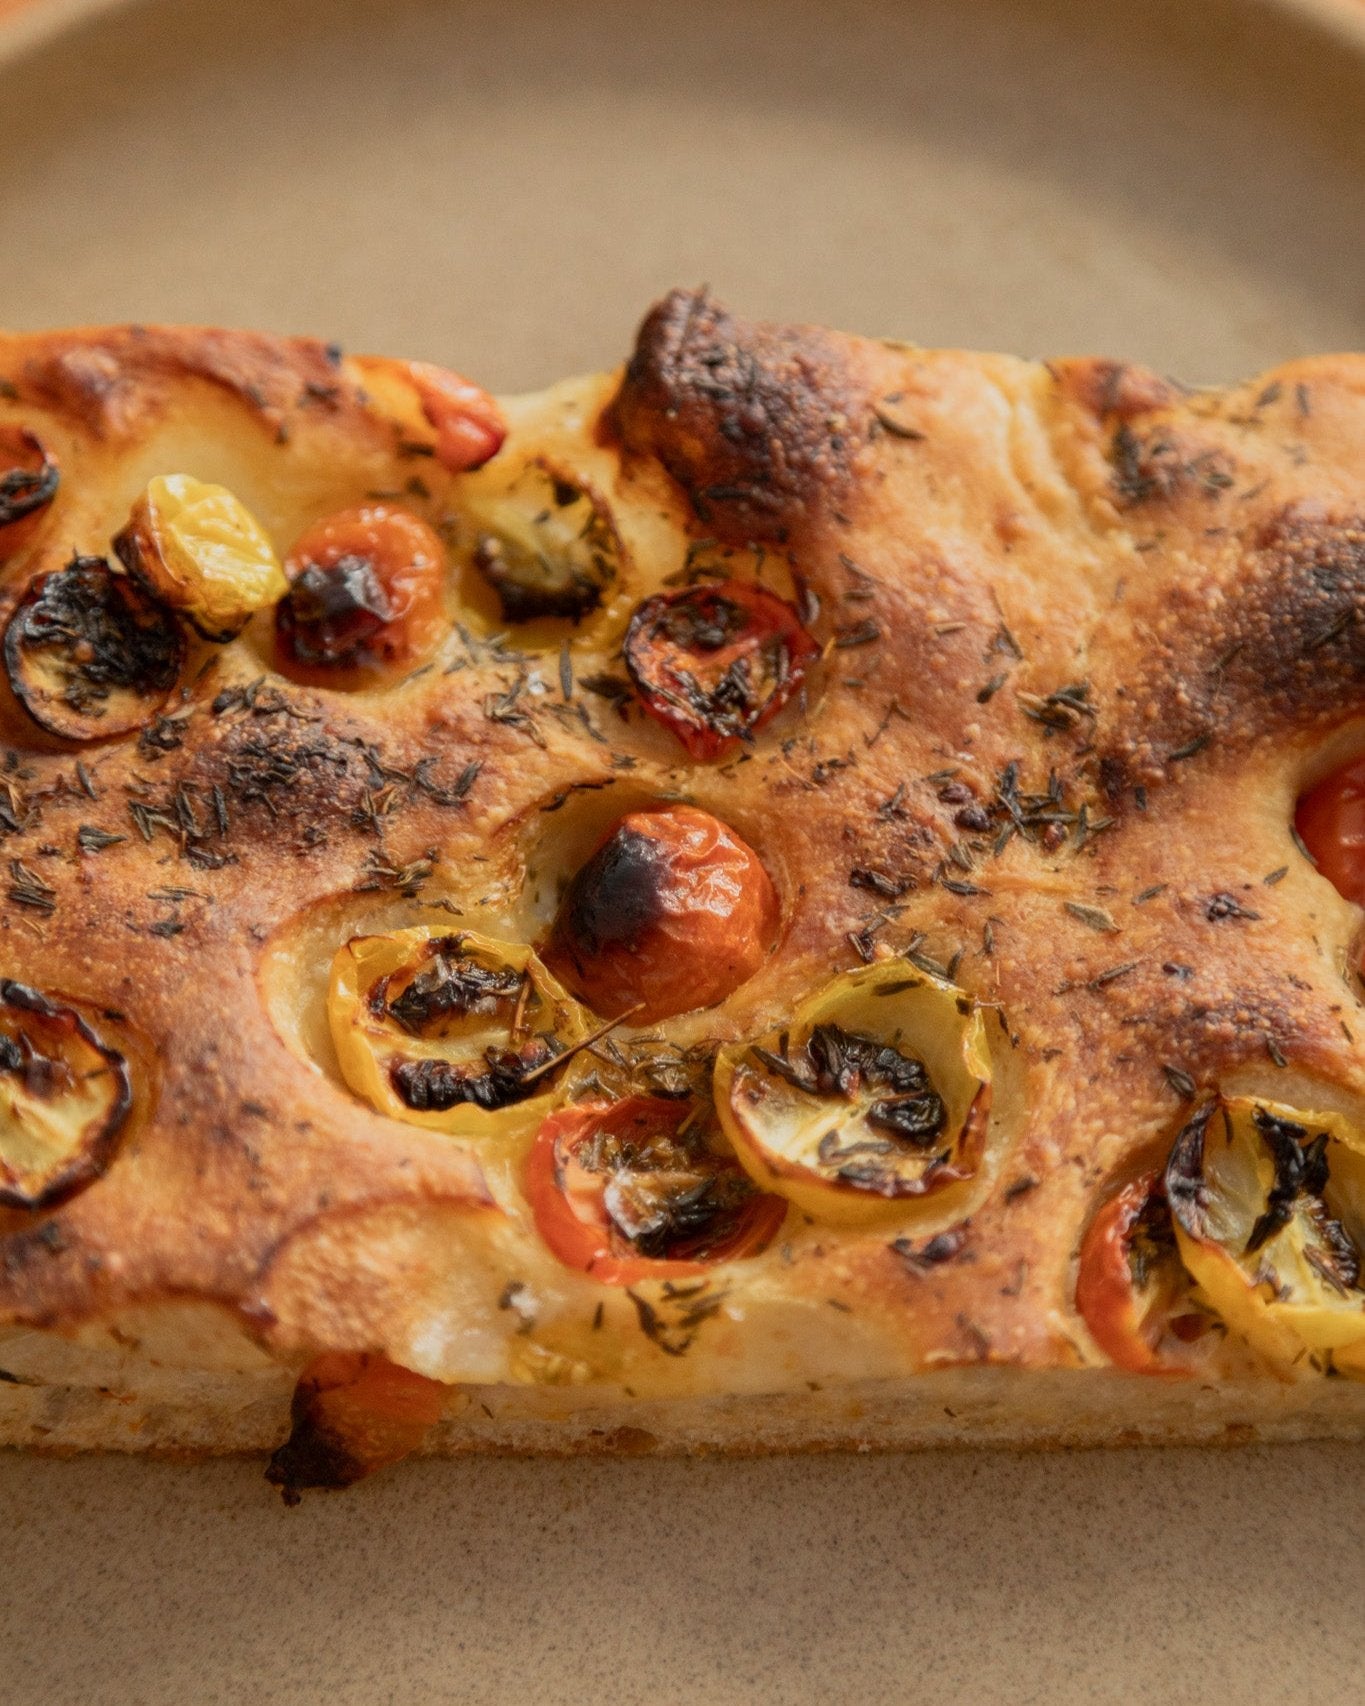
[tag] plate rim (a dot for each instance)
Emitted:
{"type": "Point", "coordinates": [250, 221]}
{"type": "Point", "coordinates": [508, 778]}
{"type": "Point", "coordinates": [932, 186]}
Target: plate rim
{"type": "Point", "coordinates": [27, 25]}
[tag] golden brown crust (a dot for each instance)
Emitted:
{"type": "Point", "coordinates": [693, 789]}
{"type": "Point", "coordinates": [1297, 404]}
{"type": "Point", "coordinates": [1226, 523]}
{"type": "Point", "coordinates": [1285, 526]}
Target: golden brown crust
{"type": "Point", "coordinates": [1085, 637]}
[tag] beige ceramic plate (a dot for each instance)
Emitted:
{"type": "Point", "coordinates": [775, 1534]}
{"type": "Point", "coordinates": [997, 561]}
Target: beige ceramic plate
{"type": "Point", "coordinates": [505, 184]}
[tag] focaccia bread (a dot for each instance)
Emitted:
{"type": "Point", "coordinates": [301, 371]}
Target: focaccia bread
{"type": "Point", "coordinates": [748, 902]}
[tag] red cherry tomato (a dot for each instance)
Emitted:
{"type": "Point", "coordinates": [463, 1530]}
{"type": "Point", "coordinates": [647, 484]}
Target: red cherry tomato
{"type": "Point", "coordinates": [632, 1190]}
{"type": "Point", "coordinates": [1330, 820]}
{"type": "Point", "coordinates": [468, 424]}
{"type": "Point", "coordinates": [672, 912]}
{"type": "Point", "coordinates": [28, 484]}
{"type": "Point", "coordinates": [714, 663]}
{"type": "Point", "coordinates": [366, 593]}
{"type": "Point", "coordinates": [352, 1413]}
{"type": "Point", "coordinates": [1130, 1285]}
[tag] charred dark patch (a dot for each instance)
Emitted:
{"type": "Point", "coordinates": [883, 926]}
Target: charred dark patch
{"type": "Point", "coordinates": [436, 1086]}
{"type": "Point", "coordinates": [1283, 648]}
{"type": "Point", "coordinates": [331, 614]}
{"type": "Point", "coordinates": [617, 898]}
{"type": "Point", "coordinates": [755, 422]}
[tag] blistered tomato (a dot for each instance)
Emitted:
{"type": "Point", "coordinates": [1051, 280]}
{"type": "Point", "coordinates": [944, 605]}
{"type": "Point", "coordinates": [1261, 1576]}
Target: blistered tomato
{"type": "Point", "coordinates": [64, 1097]}
{"type": "Point", "coordinates": [672, 912]}
{"type": "Point", "coordinates": [874, 1098]}
{"type": "Point", "coordinates": [1268, 1204]}
{"type": "Point", "coordinates": [366, 595]}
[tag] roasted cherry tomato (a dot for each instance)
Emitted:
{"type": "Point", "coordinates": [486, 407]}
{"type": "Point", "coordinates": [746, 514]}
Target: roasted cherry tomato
{"type": "Point", "coordinates": [352, 1413]}
{"type": "Point", "coordinates": [672, 912]}
{"type": "Point", "coordinates": [639, 1189]}
{"type": "Point", "coordinates": [198, 549]}
{"type": "Point", "coordinates": [715, 662]}
{"type": "Point", "coordinates": [89, 653]}
{"type": "Point", "coordinates": [1131, 1288]}
{"type": "Point", "coordinates": [875, 1096]}
{"type": "Point", "coordinates": [545, 545]}
{"type": "Point", "coordinates": [28, 484]}
{"type": "Point", "coordinates": [468, 424]}
{"type": "Point", "coordinates": [1330, 820]}
{"type": "Point", "coordinates": [64, 1098]}
{"type": "Point", "coordinates": [1268, 1204]}
{"type": "Point", "coordinates": [456, 1032]}
{"type": "Point", "coordinates": [366, 594]}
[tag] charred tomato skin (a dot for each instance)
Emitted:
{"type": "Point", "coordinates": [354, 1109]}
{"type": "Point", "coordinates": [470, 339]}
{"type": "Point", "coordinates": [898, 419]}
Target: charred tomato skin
{"type": "Point", "coordinates": [715, 662]}
{"type": "Point", "coordinates": [1330, 819]}
{"type": "Point", "coordinates": [352, 1413]}
{"type": "Point", "coordinates": [116, 651]}
{"type": "Point", "coordinates": [19, 1001]}
{"type": "Point", "coordinates": [366, 595]}
{"type": "Point", "coordinates": [673, 912]}
{"type": "Point", "coordinates": [29, 479]}
{"type": "Point", "coordinates": [568, 1200]}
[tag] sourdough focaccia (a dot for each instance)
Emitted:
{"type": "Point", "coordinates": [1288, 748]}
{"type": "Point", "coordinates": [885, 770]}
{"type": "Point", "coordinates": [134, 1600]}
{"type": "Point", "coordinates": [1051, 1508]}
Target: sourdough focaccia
{"type": "Point", "coordinates": [751, 902]}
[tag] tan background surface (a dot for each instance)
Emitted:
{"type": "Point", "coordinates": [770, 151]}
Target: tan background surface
{"type": "Point", "coordinates": [505, 184]}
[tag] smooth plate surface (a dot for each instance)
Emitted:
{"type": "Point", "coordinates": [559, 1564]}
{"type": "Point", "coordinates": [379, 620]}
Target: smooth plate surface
{"type": "Point", "coordinates": [505, 184]}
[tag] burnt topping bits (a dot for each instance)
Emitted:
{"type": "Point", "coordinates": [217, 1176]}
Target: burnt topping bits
{"type": "Point", "coordinates": [504, 1078]}
{"type": "Point", "coordinates": [546, 546]}
{"type": "Point", "coordinates": [332, 613]}
{"type": "Point", "coordinates": [836, 1062]}
{"type": "Point", "coordinates": [714, 663]}
{"type": "Point", "coordinates": [452, 987]}
{"type": "Point", "coordinates": [89, 654]}
{"type": "Point", "coordinates": [64, 1097]}
{"type": "Point", "coordinates": [28, 483]}
{"type": "Point", "coordinates": [668, 1193]}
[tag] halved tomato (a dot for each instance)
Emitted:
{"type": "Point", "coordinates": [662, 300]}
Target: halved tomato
{"type": "Point", "coordinates": [875, 1097]}
{"type": "Point", "coordinates": [1131, 1288]}
{"type": "Point", "coordinates": [456, 1032]}
{"type": "Point", "coordinates": [545, 544]}
{"type": "Point", "coordinates": [716, 661]}
{"type": "Point", "coordinates": [1268, 1204]}
{"type": "Point", "coordinates": [352, 1413]}
{"type": "Point", "coordinates": [64, 1097]}
{"type": "Point", "coordinates": [641, 1189]}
